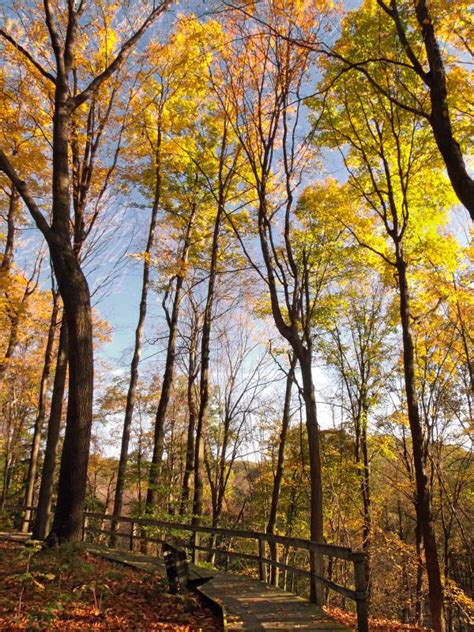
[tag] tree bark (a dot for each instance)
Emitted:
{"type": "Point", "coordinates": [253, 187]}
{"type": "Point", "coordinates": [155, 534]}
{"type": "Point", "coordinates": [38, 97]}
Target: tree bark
{"type": "Point", "coordinates": [74, 289]}
{"type": "Point", "coordinates": [40, 417]}
{"type": "Point", "coordinates": [67, 523]}
{"type": "Point", "coordinates": [423, 500]}
{"type": "Point", "coordinates": [316, 525]}
{"type": "Point", "coordinates": [45, 496]}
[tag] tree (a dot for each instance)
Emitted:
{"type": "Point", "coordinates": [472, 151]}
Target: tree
{"type": "Point", "coordinates": [265, 83]}
{"type": "Point", "coordinates": [434, 79]}
{"type": "Point", "coordinates": [73, 286]}
{"type": "Point", "coordinates": [358, 346]}
{"type": "Point", "coordinates": [387, 153]}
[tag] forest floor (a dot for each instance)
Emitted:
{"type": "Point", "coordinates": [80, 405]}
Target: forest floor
{"type": "Point", "coordinates": [349, 619]}
{"type": "Point", "coordinates": [70, 590]}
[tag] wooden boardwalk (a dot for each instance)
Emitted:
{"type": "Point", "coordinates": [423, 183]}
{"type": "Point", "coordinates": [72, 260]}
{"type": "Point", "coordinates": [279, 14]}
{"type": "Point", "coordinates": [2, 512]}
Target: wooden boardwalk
{"type": "Point", "coordinates": [254, 606]}
{"type": "Point", "coordinates": [246, 604]}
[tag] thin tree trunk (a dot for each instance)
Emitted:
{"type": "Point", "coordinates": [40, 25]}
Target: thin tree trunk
{"type": "Point", "coordinates": [204, 378]}
{"type": "Point", "coordinates": [423, 502]}
{"type": "Point", "coordinates": [419, 578]}
{"type": "Point", "coordinates": [192, 416]}
{"type": "Point", "coordinates": [45, 496]}
{"type": "Point", "coordinates": [277, 480]}
{"type": "Point", "coordinates": [362, 462]}
{"type": "Point", "coordinates": [316, 501]}
{"type": "Point", "coordinates": [132, 387]}
{"type": "Point", "coordinates": [5, 267]}
{"type": "Point", "coordinates": [155, 468]}
{"type": "Point", "coordinates": [40, 417]}
{"type": "Point", "coordinates": [8, 252]}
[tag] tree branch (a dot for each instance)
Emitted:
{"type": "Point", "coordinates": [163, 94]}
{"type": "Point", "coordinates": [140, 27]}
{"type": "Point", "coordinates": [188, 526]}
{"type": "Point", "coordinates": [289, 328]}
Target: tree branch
{"type": "Point", "coordinates": [44, 73]}
{"type": "Point", "coordinates": [120, 58]}
{"type": "Point", "coordinates": [22, 188]}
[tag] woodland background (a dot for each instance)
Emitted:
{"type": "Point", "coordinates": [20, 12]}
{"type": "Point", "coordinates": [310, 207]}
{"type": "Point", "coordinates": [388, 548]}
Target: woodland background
{"type": "Point", "coordinates": [269, 212]}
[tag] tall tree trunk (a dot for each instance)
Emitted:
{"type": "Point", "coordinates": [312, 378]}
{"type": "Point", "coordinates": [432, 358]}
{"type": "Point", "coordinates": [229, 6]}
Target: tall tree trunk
{"type": "Point", "coordinates": [132, 387]}
{"type": "Point", "coordinates": [45, 496]}
{"type": "Point", "coordinates": [423, 501]}
{"type": "Point", "coordinates": [40, 417]}
{"type": "Point", "coordinates": [362, 462]}
{"type": "Point", "coordinates": [419, 577]}
{"type": "Point", "coordinates": [440, 119]}
{"type": "Point", "coordinates": [204, 378]}
{"type": "Point", "coordinates": [316, 502]}
{"type": "Point", "coordinates": [67, 523]}
{"type": "Point", "coordinates": [5, 266]}
{"type": "Point", "coordinates": [8, 252]}
{"type": "Point", "coordinates": [277, 480]}
{"type": "Point", "coordinates": [74, 289]}
{"type": "Point", "coordinates": [155, 468]}
{"type": "Point", "coordinates": [192, 415]}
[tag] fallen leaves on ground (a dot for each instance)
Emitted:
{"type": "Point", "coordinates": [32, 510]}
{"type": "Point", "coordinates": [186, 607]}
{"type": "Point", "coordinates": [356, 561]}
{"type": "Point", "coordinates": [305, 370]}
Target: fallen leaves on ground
{"type": "Point", "coordinates": [71, 591]}
{"type": "Point", "coordinates": [376, 625]}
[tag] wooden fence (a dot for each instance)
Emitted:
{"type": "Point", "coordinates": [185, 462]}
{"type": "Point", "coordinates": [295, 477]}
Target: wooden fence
{"type": "Point", "coordinates": [221, 543]}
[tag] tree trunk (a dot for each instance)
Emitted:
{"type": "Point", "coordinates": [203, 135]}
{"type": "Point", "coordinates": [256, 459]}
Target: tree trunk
{"type": "Point", "coordinates": [74, 289]}
{"type": "Point", "coordinates": [132, 387]}
{"type": "Point", "coordinates": [204, 379]}
{"type": "Point", "coordinates": [67, 523]}
{"type": "Point", "coordinates": [362, 462]}
{"type": "Point", "coordinates": [43, 512]}
{"type": "Point", "coordinates": [316, 508]}
{"type": "Point", "coordinates": [39, 422]}
{"type": "Point", "coordinates": [8, 252]}
{"type": "Point", "coordinates": [5, 267]}
{"type": "Point", "coordinates": [440, 119]}
{"type": "Point", "coordinates": [277, 480]}
{"type": "Point", "coordinates": [192, 416]}
{"type": "Point", "coordinates": [423, 501]}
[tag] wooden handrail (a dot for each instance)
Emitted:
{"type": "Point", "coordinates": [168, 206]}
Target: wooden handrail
{"type": "Point", "coordinates": [330, 550]}
{"type": "Point", "coordinates": [357, 558]}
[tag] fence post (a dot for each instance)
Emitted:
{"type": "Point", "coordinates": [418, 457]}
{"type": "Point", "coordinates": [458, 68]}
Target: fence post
{"type": "Point", "coordinates": [132, 534]}
{"type": "Point", "coordinates": [261, 555]}
{"type": "Point", "coordinates": [317, 588]}
{"type": "Point", "coordinates": [361, 592]}
{"type": "Point", "coordinates": [274, 571]}
{"type": "Point", "coordinates": [194, 544]}
{"type": "Point", "coordinates": [85, 524]}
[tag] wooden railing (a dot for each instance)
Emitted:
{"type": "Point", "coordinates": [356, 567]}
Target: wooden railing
{"type": "Point", "coordinates": [220, 541]}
